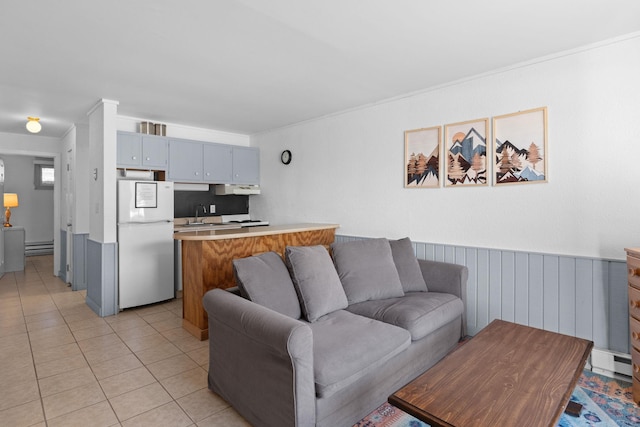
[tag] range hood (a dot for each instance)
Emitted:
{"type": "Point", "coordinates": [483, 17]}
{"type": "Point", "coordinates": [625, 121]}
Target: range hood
{"type": "Point", "coordinates": [227, 189]}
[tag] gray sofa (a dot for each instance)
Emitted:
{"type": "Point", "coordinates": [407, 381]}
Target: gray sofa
{"type": "Point", "coordinates": [320, 341]}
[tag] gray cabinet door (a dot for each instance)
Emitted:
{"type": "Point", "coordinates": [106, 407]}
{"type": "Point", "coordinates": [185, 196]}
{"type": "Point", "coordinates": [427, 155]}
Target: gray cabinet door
{"type": "Point", "coordinates": [129, 149]}
{"type": "Point", "coordinates": [246, 165]}
{"type": "Point", "coordinates": [154, 152]}
{"type": "Point", "coordinates": [218, 166]}
{"type": "Point", "coordinates": [185, 160]}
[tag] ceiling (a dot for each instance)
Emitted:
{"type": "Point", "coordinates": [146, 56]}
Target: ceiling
{"type": "Point", "coordinates": [251, 65]}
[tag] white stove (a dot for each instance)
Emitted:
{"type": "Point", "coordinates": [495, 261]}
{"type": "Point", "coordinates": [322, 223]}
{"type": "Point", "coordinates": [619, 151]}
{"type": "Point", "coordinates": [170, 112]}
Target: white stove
{"type": "Point", "coordinates": [244, 220]}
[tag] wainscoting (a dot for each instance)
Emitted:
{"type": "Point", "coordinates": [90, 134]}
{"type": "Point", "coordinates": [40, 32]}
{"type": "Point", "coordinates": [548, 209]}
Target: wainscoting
{"type": "Point", "coordinates": [79, 277]}
{"type": "Point", "coordinates": [578, 296]}
{"type": "Point", "coordinates": [102, 277]}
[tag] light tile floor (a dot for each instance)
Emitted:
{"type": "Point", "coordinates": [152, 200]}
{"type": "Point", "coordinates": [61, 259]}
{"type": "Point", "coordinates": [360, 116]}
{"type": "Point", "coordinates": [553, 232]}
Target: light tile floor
{"type": "Point", "coordinates": [62, 365]}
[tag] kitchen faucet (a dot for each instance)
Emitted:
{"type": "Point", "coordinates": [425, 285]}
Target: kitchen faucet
{"type": "Point", "coordinates": [204, 211]}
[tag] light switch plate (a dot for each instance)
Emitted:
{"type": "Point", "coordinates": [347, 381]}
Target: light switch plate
{"type": "Point", "coordinates": [212, 209]}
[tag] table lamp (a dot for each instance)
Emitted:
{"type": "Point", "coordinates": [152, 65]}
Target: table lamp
{"type": "Point", "coordinates": [10, 201]}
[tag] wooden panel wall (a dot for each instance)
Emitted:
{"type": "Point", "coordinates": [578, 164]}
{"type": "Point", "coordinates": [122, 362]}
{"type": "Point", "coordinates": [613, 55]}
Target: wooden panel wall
{"type": "Point", "coordinates": [578, 296]}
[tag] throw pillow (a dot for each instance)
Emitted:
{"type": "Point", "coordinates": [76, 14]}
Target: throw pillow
{"type": "Point", "coordinates": [265, 280]}
{"type": "Point", "coordinates": [407, 265]}
{"type": "Point", "coordinates": [316, 281]}
{"type": "Point", "coordinates": [366, 270]}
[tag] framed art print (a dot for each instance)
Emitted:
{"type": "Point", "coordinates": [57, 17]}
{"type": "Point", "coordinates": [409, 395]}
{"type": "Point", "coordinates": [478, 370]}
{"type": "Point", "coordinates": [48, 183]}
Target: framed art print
{"type": "Point", "coordinates": [465, 153]}
{"type": "Point", "coordinates": [520, 147]}
{"type": "Point", "coordinates": [422, 158]}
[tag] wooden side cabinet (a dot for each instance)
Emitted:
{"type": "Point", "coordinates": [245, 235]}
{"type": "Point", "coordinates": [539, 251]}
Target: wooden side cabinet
{"type": "Point", "coordinates": [14, 258]}
{"type": "Point", "coordinates": [633, 274]}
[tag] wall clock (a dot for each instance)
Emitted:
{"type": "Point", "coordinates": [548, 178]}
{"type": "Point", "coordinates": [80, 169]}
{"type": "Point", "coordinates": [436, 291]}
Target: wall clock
{"type": "Point", "coordinates": [285, 157]}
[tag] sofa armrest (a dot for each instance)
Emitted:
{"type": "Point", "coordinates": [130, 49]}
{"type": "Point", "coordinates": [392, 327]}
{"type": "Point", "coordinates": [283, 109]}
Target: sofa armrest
{"type": "Point", "coordinates": [260, 361]}
{"type": "Point", "coordinates": [447, 278]}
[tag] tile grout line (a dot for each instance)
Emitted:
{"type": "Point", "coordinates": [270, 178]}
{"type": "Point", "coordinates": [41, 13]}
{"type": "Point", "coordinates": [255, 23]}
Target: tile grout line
{"type": "Point", "coordinates": [44, 316]}
{"type": "Point", "coordinates": [33, 361]}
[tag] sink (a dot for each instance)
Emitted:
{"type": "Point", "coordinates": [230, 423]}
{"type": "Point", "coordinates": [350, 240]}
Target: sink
{"type": "Point", "coordinates": [195, 224]}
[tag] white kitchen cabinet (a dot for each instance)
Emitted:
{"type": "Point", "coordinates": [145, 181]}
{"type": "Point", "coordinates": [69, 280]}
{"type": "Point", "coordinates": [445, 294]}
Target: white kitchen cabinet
{"type": "Point", "coordinates": [135, 150]}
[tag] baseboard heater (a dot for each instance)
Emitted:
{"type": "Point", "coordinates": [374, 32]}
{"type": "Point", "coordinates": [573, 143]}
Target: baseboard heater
{"type": "Point", "coordinates": [611, 364]}
{"type": "Point", "coordinates": [38, 248]}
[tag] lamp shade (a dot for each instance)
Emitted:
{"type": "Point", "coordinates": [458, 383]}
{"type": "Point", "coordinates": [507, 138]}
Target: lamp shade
{"type": "Point", "coordinates": [10, 200]}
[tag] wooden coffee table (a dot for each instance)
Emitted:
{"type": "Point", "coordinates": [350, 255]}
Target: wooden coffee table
{"type": "Point", "coordinates": [507, 375]}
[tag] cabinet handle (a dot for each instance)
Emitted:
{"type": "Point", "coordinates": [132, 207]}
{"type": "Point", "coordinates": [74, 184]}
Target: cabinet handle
{"type": "Point", "coordinates": [634, 272]}
{"type": "Point", "coordinates": [133, 158]}
{"type": "Point", "coordinates": [634, 304]}
{"type": "Point", "coordinates": [196, 173]}
{"type": "Point", "coordinates": [208, 173]}
{"type": "Point", "coordinates": [148, 158]}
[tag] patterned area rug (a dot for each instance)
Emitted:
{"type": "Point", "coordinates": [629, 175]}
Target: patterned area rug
{"type": "Point", "coordinates": [607, 402]}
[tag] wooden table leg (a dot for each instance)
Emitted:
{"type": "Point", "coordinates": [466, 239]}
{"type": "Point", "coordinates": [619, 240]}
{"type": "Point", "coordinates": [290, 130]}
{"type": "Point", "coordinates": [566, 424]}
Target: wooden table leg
{"type": "Point", "coordinates": [573, 409]}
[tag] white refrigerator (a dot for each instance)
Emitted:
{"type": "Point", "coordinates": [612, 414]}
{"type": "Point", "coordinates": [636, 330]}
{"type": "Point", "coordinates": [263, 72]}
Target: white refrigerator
{"type": "Point", "coordinates": [145, 242]}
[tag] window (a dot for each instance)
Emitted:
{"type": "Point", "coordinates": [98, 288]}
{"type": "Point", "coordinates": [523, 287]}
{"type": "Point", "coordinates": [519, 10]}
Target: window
{"type": "Point", "coordinates": [44, 176]}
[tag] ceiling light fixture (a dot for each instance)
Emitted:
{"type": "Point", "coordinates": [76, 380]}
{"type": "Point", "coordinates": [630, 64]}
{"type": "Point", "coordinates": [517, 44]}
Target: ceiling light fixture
{"type": "Point", "coordinates": [33, 125]}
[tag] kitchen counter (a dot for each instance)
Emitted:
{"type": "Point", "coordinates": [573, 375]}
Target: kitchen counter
{"type": "Point", "coordinates": [204, 227]}
{"type": "Point", "coordinates": [207, 258]}
{"type": "Point", "coordinates": [217, 232]}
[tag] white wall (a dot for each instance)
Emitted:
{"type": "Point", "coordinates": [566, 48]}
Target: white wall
{"type": "Point", "coordinates": [174, 130]}
{"type": "Point", "coordinates": [348, 168]}
{"type": "Point", "coordinates": [102, 171]}
{"type": "Point", "coordinates": [31, 145]}
{"type": "Point", "coordinates": [35, 210]}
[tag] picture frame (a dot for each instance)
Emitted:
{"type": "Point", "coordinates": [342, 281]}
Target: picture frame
{"type": "Point", "coordinates": [466, 156]}
{"type": "Point", "coordinates": [520, 147]}
{"type": "Point", "coordinates": [422, 157]}
{"type": "Point", "coordinates": [146, 195]}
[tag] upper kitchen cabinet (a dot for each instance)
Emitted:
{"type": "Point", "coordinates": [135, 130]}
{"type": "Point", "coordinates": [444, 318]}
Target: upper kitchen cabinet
{"type": "Point", "coordinates": [135, 150]}
{"type": "Point", "coordinates": [211, 163]}
{"type": "Point", "coordinates": [246, 165]}
{"type": "Point", "coordinates": [218, 163]}
{"type": "Point", "coordinates": [185, 160]}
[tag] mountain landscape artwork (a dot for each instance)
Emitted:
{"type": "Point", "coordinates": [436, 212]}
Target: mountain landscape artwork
{"type": "Point", "coordinates": [520, 147]}
{"type": "Point", "coordinates": [422, 158]}
{"type": "Point", "coordinates": [466, 153]}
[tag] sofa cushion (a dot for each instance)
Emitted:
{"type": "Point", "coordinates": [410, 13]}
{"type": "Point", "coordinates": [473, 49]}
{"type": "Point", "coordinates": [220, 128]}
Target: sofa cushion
{"type": "Point", "coordinates": [264, 279]}
{"type": "Point", "coordinates": [366, 270]}
{"type": "Point", "coordinates": [407, 265]}
{"type": "Point", "coordinates": [420, 313]}
{"type": "Point", "coordinates": [346, 347]}
{"type": "Point", "coordinates": [316, 280]}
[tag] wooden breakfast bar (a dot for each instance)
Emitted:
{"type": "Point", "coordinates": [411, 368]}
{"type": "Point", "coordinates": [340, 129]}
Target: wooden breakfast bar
{"type": "Point", "coordinates": [207, 260]}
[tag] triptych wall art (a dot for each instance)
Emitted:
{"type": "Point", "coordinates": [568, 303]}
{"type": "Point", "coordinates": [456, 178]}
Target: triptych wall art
{"type": "Point", "coordinates": [519, 149]}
